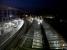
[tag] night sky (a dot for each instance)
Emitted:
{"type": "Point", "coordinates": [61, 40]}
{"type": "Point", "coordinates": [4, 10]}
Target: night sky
{"type": "Point", "coordinates": [34, 3]}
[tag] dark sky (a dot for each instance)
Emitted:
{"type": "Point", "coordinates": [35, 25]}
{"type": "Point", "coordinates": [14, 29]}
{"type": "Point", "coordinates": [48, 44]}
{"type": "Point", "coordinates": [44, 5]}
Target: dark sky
{"type": "Point", "coordinates": [33, 4]}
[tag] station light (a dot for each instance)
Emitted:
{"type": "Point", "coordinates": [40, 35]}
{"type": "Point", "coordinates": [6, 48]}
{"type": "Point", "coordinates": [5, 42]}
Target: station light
{"type": "Point", "coordinates": [50, 17]}
{"type": "Point", "coordinates": [10, 15]}
{"type": "Point", "coordinates": [26, 15]}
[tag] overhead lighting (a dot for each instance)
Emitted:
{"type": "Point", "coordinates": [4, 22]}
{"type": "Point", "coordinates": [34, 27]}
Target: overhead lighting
{"type": "Point", "coordinates": [39, 21]}
{"type": "Point", "coordinates": [50, 17]}
{"type": "Point", "coordinates": [26, 15]}
{"type": "Point", "coordinates": [10, 15]}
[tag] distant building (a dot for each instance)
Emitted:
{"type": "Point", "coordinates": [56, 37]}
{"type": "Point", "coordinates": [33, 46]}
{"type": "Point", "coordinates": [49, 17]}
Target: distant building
{"type": "Point", "coordinates": [6, 12]}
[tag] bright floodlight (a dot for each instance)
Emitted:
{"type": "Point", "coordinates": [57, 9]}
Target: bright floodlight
{"type": "Point", "coordinates": [39, 21]}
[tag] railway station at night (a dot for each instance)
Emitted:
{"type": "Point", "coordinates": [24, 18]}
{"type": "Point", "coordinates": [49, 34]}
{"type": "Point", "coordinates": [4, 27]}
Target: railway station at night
{"type": "Point", "coordinates": [33, 25]}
